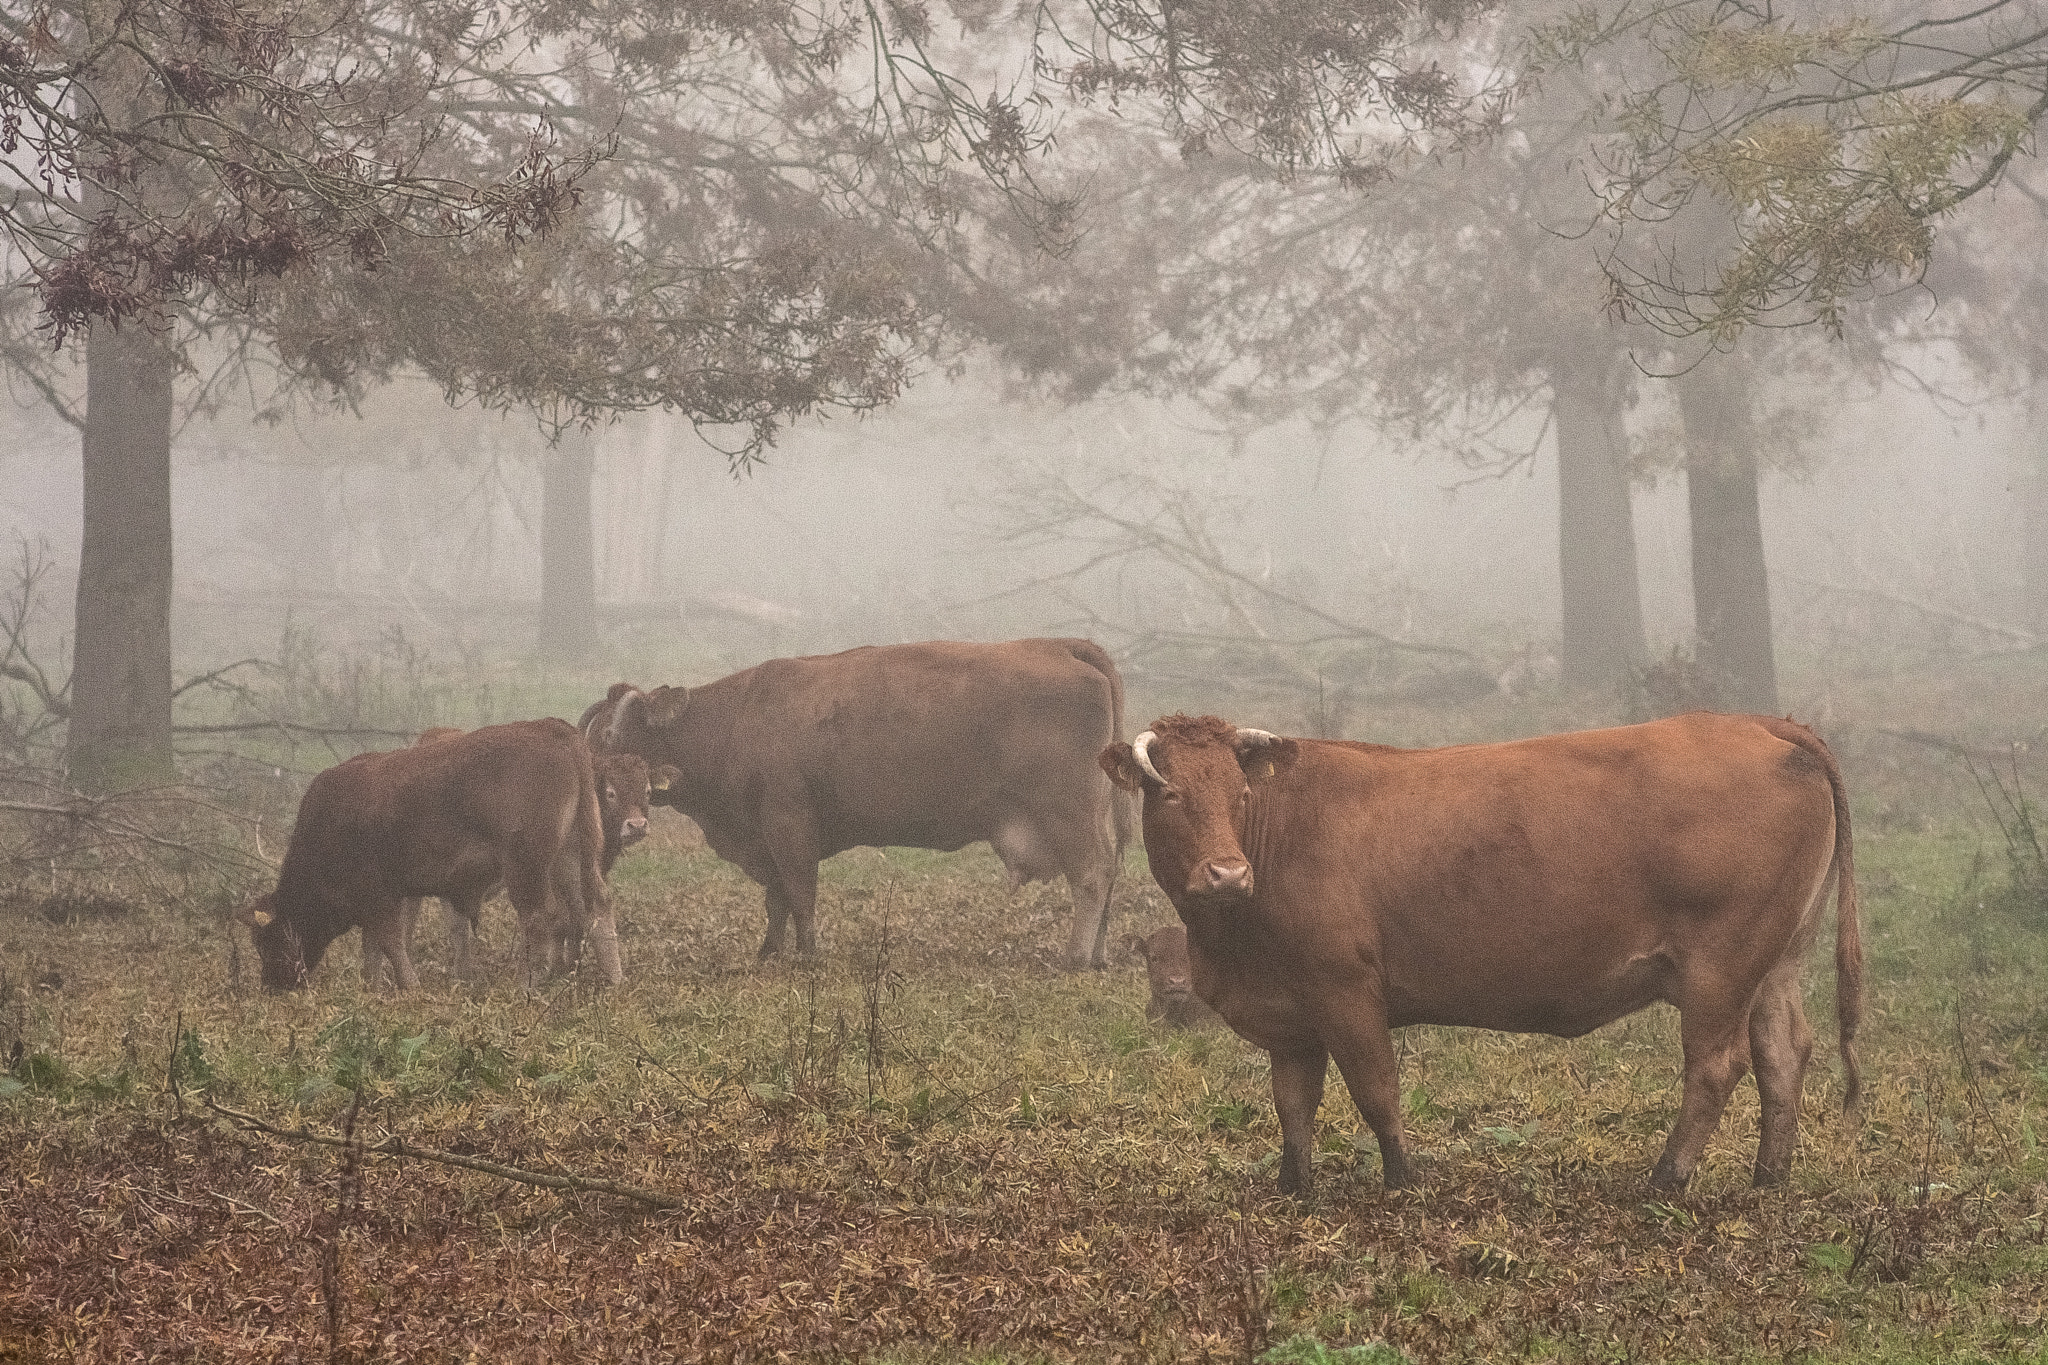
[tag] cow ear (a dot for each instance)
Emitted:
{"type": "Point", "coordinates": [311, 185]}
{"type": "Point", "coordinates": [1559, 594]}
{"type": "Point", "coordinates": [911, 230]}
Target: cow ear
{"type": "Point", "coordinates": [663, 776]}
{"type": "Point", "coordinates": [257, 913]}
{"type": "Point", "coordinates": [1122, 766]}
{"type": "Point", "coordinates": [1262, 755]}
{"type": "Point", "coordinates": [665, 705]}
{"type": "Point", "coordinates": [1135, 945]}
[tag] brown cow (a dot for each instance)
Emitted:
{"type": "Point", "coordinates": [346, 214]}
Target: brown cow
{"type": "Point", "coordinates": [1170, 974]}
{"type": "Point", "coordinates": [624, 791]}
{"type": "Point", "coordinates": [515, 804]}
{"type": "Point", "coordinates": [930, 745]}
{"type": "Point", "coordinates": [1332, 891]}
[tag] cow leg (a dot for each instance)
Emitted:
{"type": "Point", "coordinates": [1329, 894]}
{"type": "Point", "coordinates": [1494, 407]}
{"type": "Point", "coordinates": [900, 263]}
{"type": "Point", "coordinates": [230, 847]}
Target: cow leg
{"type": "Point", "coordinates": [1087, 944]}
{"type": "Point", "coordinates": [597, 921]}
{"type": "Point", "coordinates": [1365, 1056]}
{"type": "Point", "coordinates": [778, 920]}
{"type": "Point", "coordinates": [385, 931]}
{"type": "Point", "coordinates": [791, 862]}
{"type": "Point", "coordinates": [464, 917]}
{"type": "Point", "coordinates": [604, 937]}
{"type": "Point", "coordinates": [1780, 1044]}
{"type": "Point", "coordinates": [800, 895]}
{"type": "Point", "coordinates": [1716, 1037]}
{"type": "Point", "coordinates": [1297, 1094]}
{"type": "Point", "coordinates": [541, 917]}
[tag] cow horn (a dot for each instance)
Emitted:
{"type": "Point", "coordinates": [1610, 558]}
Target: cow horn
{"type": "Point", "coordinates": [1139, 747]}
{"type": "Point", "coordinates": [1247, 739]}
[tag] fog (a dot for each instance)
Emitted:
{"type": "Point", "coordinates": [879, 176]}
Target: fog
{"type": "Point", "coordinates": [927, 520]}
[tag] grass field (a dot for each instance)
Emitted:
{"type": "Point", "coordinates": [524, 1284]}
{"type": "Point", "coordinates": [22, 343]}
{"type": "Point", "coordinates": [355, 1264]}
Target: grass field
{"type": "Point", "coordinates": [933, 1145]}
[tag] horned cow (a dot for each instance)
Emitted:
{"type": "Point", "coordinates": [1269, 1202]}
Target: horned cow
{"type": "Point", "coordinates": [1332, 891]}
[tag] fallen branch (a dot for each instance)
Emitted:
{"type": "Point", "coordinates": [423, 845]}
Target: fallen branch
{"type": "Point", "coordinates": [2019, 635]}
{"type": "Point", "coordinates": [397, 1147]}
{"type": "Point", "coordinates": [204, 678]}
{"type": "Point", "coordinates": [1956, 747]}
{"type": "Point", "coordinates": [295, 727]}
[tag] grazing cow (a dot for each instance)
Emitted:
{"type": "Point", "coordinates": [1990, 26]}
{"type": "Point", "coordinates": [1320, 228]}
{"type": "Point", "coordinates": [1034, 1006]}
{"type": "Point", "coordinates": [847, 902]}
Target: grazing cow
{"type": "Point", "coordinates": [625, 787]}
{"type": "Point", "coordinates": [1171, 976]}
{"type": "Point", "coordinates": [930, 746]}
{"type": "Point", "coordinates": [1332, 891]}
{"type": "Point", "coordinates": [512, 804]}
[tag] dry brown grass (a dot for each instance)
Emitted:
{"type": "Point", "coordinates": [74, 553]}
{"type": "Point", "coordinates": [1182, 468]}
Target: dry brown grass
{"type": "Point", "coordinates": [933, 1145]}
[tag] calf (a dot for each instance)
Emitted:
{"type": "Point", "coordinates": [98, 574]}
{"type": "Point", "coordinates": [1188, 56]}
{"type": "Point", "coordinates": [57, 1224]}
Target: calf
{"type": "Point", "coordinates": [1333, 891]}
{"type": "Point", "coordinates": [625, 789]}
{"type": "Point", "coordinates": [1171, 976]}
{"type": "Point", "coordinates": [513, 804]}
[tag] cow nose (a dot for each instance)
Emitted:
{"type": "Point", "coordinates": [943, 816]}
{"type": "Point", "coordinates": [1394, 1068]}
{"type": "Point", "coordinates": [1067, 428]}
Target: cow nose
{"type": "Point", "coordinates": [1222, 877]}
{"type": "Point", "coordinates": [635, 830]}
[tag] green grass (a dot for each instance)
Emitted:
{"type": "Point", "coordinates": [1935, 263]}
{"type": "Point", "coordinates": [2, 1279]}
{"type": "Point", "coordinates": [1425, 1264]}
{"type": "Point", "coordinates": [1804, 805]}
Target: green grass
{"type": "Point", "coordinates": [933, 1145]}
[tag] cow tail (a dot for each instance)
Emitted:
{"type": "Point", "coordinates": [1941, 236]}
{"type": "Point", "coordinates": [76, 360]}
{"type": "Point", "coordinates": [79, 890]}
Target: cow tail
{"type": "Point", "coordinates": [589, 835]}
{"type": "Point", "coordinates": [1123, 806]}
{"type": "Point", "coordinates": [1848, 928]}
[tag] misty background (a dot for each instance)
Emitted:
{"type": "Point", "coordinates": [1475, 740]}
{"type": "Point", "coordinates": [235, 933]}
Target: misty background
{"type": "Point", "coordinates": [1900, 534]}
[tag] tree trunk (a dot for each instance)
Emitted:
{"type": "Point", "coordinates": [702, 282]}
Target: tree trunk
{"type": "Point", "coordinates": [1731, 597]}
{"type": "Point", "coordinates": [120, 733]}
{"type": "Point", "coordinates": [1596, 534]}
{"type": "Point", "coordinates": [568, 556]}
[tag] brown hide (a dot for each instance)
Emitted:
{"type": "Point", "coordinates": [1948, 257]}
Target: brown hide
{"type": "Point", "coordinates": [1333, 891]}
{"type": "Point", "coordinates": [512, 804]}
{"type": "Point", "coordinates": [1170, 974]}
{"type": "Point", "coordinates": [624, 791]}
{"type": "Point", "coordinates": [932, 745]}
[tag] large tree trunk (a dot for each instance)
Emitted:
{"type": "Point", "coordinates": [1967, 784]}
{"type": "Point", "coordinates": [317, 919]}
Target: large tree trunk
{"type": "Point", "coordinates": [1731, 597]}
{"type": "Point", "coordinates": [1596, 534]}
{"type": "Point", "coordinates": [568, 557]}
{"type": "Point", "coordinates": [120, 732]}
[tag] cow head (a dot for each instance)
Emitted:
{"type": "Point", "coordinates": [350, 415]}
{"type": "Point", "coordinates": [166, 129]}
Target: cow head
{"type": "Point", "coordinates": [1197, 773]}
{"type": "Point", "coordinates": [626, 786]}
{"type": "Point", "coordinates": [622, 719]}
{"type": "Point", "coordinates": [595, 722]}
{"type": "Point", "coordinates": [277, 944]}
{"type": "Point", "coordinates": [1170, 973]}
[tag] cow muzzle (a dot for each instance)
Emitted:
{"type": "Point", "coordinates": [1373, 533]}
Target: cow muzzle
{"type": "Point", "coordinates": [1221, 878]}
{"type": "Point", "coordinates": [633, 830]}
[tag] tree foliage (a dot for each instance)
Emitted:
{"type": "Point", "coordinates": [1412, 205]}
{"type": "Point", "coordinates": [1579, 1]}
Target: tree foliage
{"type": "Point", "coordinates": [1770, 164]}
{"type": "Point", "coordinates": [163, 148]}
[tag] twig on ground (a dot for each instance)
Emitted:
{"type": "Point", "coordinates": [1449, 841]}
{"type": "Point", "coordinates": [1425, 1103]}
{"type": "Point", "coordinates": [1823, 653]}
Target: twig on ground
{"type": "Point", "coordinates": [395, 1146]}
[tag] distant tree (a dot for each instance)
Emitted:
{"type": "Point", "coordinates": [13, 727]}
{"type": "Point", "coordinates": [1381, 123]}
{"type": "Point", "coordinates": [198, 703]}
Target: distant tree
{"type": "Point", "coordinates": [1469, 288]}
{"type": "Point", "coordinates": [350, 189]}
{"type": "Point", "coordinates": [1440, 306]}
